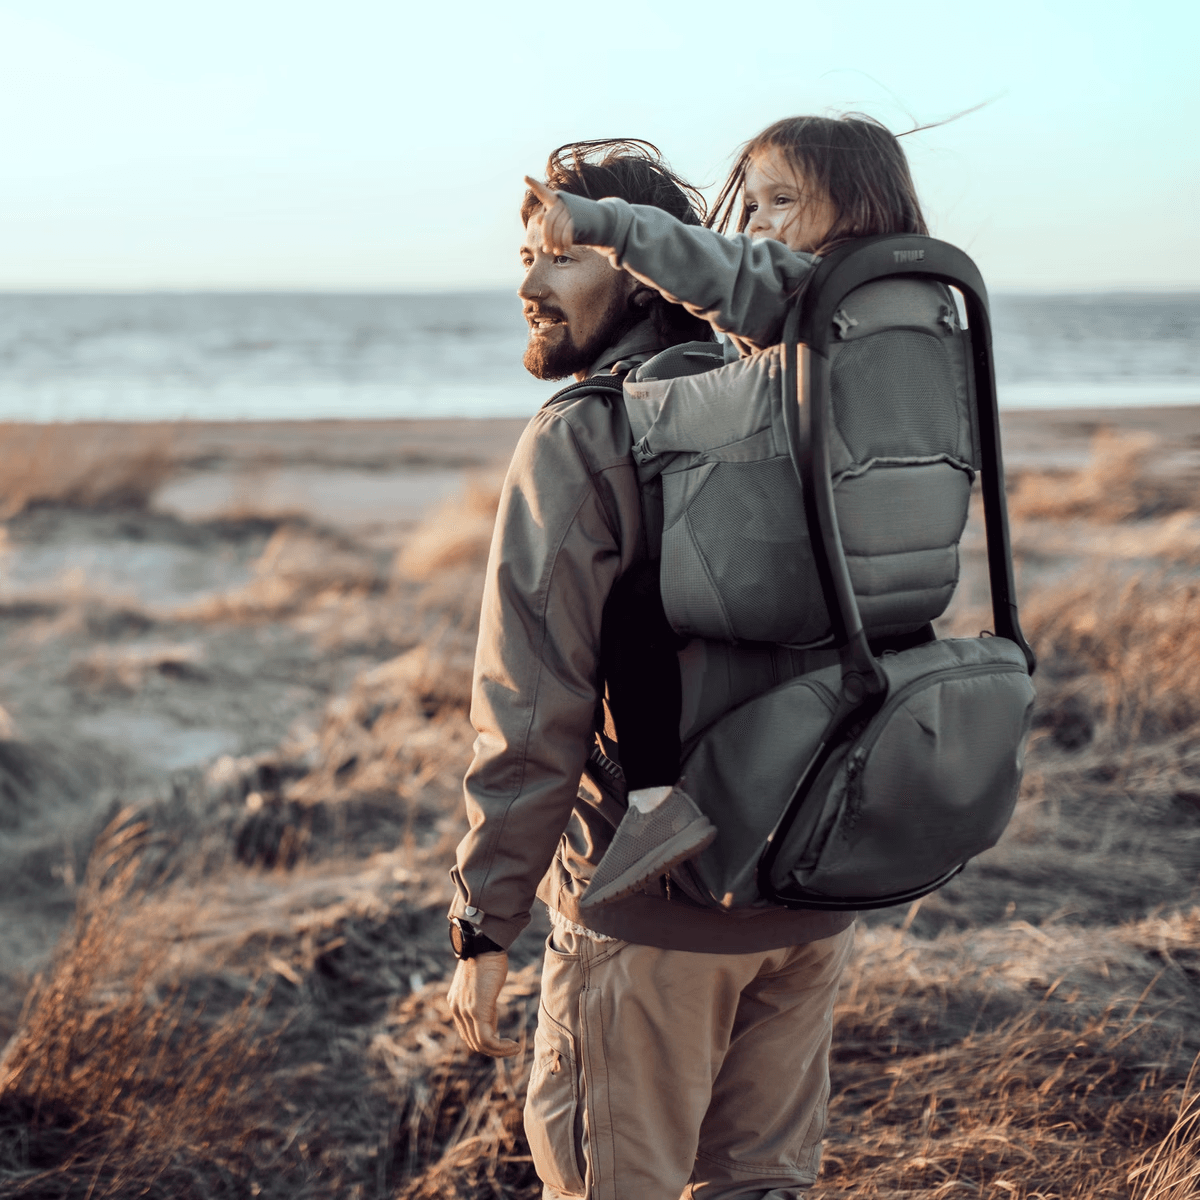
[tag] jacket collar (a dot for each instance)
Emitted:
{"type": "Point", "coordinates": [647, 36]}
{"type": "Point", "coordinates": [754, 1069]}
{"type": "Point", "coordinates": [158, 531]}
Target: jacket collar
{"type": "Point", "coordinates": [639, 344]}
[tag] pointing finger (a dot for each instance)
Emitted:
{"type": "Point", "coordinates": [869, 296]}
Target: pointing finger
{"type": "Point", "coordinates": [547, 196]}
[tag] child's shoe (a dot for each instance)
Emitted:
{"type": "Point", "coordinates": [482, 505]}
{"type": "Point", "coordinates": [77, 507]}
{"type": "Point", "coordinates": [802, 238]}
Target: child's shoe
{"type": "Point", "coordinates": [649, 843]}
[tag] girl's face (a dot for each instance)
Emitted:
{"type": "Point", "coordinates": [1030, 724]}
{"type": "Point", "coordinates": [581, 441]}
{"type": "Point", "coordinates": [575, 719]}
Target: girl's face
{"type": "Point", "coordinates": [781, 206]}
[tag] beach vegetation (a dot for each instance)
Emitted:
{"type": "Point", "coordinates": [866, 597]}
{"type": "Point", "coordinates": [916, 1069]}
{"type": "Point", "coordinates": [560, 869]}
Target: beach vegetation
{"type": "Point", "coordinates": [249, 997]}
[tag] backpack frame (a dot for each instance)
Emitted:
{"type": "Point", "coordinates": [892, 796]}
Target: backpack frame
{"type": "Point", "coordinates": [808, 334]}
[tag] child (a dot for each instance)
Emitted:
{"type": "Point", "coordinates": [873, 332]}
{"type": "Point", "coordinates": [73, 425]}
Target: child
{"type": "Point", "coordinates": [806, 184]}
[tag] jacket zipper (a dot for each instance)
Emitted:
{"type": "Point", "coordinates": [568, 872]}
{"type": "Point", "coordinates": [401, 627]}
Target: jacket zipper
{"type": "Point", "coordinates": [606, 764]}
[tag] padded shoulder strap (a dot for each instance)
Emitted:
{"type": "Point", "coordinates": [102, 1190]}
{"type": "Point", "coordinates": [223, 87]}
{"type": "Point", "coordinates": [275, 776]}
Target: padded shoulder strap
{"type": "Point", "coordinates": [594, 383]}
{"type": "Point", "coordinates": [650, 534]}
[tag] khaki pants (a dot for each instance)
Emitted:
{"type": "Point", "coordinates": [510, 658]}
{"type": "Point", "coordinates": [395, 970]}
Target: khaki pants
{"type": "Point", "coordinates": [663, 1074]}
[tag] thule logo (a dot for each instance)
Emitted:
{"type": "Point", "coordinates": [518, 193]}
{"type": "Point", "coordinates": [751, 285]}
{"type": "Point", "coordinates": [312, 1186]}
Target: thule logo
{"type": "Point", "coordinates": [908, 255]}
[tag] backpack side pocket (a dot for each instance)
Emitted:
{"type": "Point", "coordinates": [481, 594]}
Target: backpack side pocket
{"type": "Point", "coordinates": [930, 783]}
{"type": "Point", "coordinates": [742, 771]}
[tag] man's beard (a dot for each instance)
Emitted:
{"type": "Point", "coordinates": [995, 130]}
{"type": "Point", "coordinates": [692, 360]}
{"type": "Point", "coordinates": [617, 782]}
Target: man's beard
{"type": "Point", "coordinates": [565, 356]}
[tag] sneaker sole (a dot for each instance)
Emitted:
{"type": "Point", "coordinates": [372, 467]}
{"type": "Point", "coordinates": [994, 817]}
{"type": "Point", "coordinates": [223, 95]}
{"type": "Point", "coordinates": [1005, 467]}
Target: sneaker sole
{"type": "Point", "coordinates": [671, 853]}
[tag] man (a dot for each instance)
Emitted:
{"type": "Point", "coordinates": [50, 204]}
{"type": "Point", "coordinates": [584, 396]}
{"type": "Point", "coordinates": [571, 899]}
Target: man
{"type": "Point", "coordinates": [679, 1051]}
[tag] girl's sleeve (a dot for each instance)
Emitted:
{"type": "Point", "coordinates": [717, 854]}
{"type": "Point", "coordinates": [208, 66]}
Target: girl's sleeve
{"type": "Point", "coordinates": [738, 284]}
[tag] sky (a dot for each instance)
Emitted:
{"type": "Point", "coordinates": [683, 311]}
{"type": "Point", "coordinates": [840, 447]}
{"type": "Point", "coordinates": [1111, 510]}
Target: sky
{"type": "Point", "coordinates": [376, 144]}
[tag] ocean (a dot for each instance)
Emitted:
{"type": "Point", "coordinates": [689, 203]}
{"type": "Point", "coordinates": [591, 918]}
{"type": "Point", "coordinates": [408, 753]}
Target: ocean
{"type": "Point", "coordinates": [208, 356]}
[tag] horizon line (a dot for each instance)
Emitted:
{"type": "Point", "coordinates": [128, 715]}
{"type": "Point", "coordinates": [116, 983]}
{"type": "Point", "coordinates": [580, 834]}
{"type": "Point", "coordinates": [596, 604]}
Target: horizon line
{"type": "Point", "coordinates": [17, 290]}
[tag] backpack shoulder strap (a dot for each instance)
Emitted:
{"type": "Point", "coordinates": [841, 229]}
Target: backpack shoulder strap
{"type": "Point", "coordinates": [598, 762]}
{"type": "Point", "coordinates": [594, 383]}
{"type": "Point", "coordinates": [650, 534]}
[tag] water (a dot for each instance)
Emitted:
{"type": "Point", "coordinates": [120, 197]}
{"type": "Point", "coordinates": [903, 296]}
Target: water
{"type": "Point", "coordinates": [1098, 350]}
{"type": "Point", "coordinates": [219, 357]}
{"type": "Point", "coordinates": [272, 357]}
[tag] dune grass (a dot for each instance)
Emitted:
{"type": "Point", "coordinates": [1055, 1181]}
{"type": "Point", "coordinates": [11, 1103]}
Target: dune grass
{"type": "Point", "coordinates": [1121, 482]}
{"type": "Point", "coordinates": [1126, 648]}
{"type": "Point", "coordinates": [1171, 1171]}
{"type": "Point", "coordinates": [232, 1024]}
{"type": "Point", "coordinates": [98, 466]}
{"type": "Point", "coordinates": [117, 1081]}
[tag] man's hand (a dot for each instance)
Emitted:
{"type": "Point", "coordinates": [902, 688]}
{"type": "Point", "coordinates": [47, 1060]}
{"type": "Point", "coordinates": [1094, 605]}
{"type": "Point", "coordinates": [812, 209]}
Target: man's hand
{"type": "Point", "coordinates": [474, 991]}
{"type": "Point", "coordinates": [558, 230]}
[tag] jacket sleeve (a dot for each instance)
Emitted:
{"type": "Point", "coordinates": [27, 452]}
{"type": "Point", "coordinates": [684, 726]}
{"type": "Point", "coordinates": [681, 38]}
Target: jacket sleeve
{"type": "Point", "coordinates": [740, 285]}
{"type": "Point", "coordinates": [554, 558]}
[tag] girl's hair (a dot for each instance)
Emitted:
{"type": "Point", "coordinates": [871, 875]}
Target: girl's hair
{"type": "Point", "coordinates": [853, 160]}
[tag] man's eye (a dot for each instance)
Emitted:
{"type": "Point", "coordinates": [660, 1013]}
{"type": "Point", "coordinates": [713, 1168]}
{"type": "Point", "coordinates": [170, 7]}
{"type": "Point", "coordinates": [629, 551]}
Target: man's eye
{"type": "Point", "coordinates": [562, 258]}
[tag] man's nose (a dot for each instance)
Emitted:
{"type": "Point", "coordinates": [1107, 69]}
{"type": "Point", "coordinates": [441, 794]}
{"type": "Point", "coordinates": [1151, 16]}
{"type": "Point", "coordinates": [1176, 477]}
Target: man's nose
{"type": "Point", "coordinates": [533, 285]}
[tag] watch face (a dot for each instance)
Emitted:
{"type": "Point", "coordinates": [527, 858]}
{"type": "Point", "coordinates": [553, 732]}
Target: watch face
{"type": "Point", "coordinates": [457, 939]}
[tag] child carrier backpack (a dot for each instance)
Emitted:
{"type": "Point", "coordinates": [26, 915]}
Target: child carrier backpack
{"type": "Point", "coordinates": [813, 496]}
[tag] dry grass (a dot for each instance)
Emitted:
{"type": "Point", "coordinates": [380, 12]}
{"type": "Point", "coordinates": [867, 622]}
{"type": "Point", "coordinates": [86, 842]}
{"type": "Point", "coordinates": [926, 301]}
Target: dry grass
{"type": "Point", "coordinates": [447, 553]}
{"type": "Point", "coordinates": [126, 668]}
{"type": "Point", "coordinates": [1004, 1065]}
{"type": "Point", "coordinates": [456, 536]}
{"type": "Point", "coordinates": [1172, 1170]}
{"type": "Point", "coordinates": [978, 1054]}
{"type": "Point", "coordinates": [113, 466]}
{"type": "Point", "coordinates": [459, 1131]}
{"type": "Point", "coordinates": [299, 569]}
{"type": "Point", "coordinates": [399, 730]}
{"type": "Point", "coordinates": [348, 597]}
{"type": "Point", "coordinates": [1118, 656]}
{"type": "Point", "coordinates": [1122, 482]}
{"type": "Point", "coordinates": [114, 1083]}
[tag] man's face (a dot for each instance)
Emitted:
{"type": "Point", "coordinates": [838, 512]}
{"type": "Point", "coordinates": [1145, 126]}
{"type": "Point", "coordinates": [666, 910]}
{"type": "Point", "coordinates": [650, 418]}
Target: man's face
{"type": "Point", "coordinates": [577, 306]}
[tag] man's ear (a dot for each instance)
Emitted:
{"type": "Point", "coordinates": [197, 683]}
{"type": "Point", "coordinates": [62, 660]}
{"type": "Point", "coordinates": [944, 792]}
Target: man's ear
{"type": "Point", "coordinates": [642, 296]}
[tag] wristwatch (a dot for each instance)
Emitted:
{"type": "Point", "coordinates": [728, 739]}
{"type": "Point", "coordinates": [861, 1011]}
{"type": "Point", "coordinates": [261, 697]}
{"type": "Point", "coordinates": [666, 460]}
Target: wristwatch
{"type": "Point", "coordinates": [467, 941]}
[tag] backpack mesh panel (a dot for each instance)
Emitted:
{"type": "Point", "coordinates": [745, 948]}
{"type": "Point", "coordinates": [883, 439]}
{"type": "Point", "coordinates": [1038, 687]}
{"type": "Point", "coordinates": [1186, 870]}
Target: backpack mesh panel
{"type": "Point", "coordinates": [893, 509]}
{"type": "Point", "coordinates": [756, 545]}
{"type": "Point", "coordinates": [894, 395]}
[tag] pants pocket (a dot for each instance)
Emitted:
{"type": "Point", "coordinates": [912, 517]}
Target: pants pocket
{"type": "Point", "coordinates": [552, 1118]}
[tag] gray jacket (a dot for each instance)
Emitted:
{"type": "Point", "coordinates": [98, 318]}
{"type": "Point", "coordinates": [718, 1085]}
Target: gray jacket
{"type": "Point", "coordinates": [568, 526]}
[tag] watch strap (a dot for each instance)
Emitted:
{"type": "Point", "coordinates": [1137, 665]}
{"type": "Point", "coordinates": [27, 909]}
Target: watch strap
{"type": "Point", "coordinates": [470, 940]}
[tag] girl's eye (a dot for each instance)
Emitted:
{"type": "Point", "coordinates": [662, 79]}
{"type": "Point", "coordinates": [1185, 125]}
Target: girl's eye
{"type": "Point", "coordinates": [751, 208]}
{"type": "Point", "coordinates": [783, 199]}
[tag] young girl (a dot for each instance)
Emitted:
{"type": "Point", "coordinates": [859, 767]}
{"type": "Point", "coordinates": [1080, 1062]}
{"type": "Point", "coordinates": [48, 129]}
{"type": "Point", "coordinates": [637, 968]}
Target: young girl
{"type": "Point", "coordinates": [806, 184]}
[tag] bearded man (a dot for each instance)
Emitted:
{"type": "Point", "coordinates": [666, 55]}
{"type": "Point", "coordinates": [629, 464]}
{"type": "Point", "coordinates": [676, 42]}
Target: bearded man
{"type": "Point", "coordinates": [680, 1051]}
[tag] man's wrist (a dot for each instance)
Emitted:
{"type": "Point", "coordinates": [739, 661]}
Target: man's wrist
{"type": "Point", "coordinates": [467, 941]}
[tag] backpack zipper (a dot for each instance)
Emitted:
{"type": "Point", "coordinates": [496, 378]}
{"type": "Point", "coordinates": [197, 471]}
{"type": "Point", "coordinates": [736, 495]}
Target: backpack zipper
{"type": "Point", "coordinates": [894, 701]}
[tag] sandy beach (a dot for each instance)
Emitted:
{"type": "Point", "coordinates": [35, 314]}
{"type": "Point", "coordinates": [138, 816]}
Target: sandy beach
{"type": "Point", "coordinates": [234, 670]}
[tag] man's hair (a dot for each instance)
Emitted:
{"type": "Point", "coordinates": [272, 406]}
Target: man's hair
{"type": "Point", "coordinates": [633, 170]}
{"type": "Point", "coordinates": [853, 161]}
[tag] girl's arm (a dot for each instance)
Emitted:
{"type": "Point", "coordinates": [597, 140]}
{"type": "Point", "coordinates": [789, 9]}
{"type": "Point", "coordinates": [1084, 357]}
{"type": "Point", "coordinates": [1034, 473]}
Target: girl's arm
{"type": "Point", "coordinates": [741, 286]}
